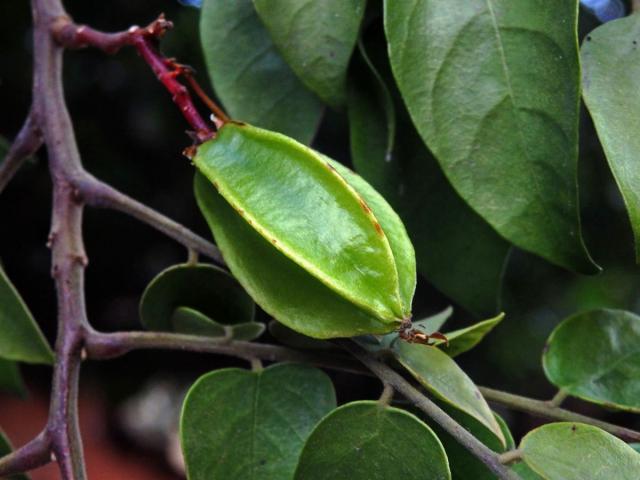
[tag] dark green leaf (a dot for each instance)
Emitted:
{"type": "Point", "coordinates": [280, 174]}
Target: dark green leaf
{"type": "Point", "coordinates": [610, 82]}
{"type": "Point", "coordinates": [242, 425]}
{"type": "Point", "coordinates": [20, 337]}
{"type": "Point", "coordinates": [441, 376]}
{"type": "Point", "coordinates": [10, 378]}
{"type": "Point", "coordinates": [575, 451]}
{"type": "Point", "coordinates": [465, 339]}
{"type": "Point", "coordinates": [596, 356]}
{"type": "Point", "coordinates": [367, 441]}
{"type": "Point", "coordinates": [199, 299]}
{"type": "Point", "coordinates": [355, 244]}
{"type": "Point", "coordinates": [493, 88]}
{"type": "Point", "coordinates": [282, 288]}
{"type": "Point", "coordinates": [316, 38]}
{"type": "Point", "coordinates": [435, 322]}
{"type": "Point", "coordinates": [5, 448]}
{"type": "Point", "coordinates": [249, 75]}
{"type": "Point", "coordinates": [455, 249]}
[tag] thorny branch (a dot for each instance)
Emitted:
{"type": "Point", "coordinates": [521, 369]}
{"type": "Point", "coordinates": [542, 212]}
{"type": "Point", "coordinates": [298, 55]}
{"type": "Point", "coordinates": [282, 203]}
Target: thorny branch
{"type": "Point", "coordinates": [73, 188]}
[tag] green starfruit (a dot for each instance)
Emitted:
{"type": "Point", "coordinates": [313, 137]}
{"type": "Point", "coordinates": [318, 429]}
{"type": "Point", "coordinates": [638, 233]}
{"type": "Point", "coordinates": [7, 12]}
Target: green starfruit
{"type": "Point", "coordinates": [315, 245]}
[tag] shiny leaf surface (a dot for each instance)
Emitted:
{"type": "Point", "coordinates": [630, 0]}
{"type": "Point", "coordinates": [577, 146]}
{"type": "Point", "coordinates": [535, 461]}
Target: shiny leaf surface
{"type": "Point", "coordinates": [575, 451]}
{"type": "Point", "coordinates": [248, 74]}
{"type": "Point", "coordinates": [493, 88]}
{"type": "Point", "coordinates": [20, 336]}
{"type": "Point", "coordinates": [596, 356]}
{"type": "Point", "coordinates": [610, 74]}
{"type": "Point", "coordinates": [465, 339]}
{"type": "Point", "coordinates": [441, 376]}
{"type": "Point", "coordinates": [281, 287]}
{"type": "Point", "coordinates": [366, 441]}
{"type": "Point", "coordinates": [316, 38]}
{"type": "Point", "coordinates": [242, 425]}
{"type": "Point", "coordinates": [298, 202]}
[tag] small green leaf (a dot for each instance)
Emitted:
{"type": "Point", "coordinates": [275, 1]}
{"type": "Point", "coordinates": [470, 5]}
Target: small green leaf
{"type": "Point", "coordinates": [610, 78]}
{"type": "Point", "coordinates": [596, 356]}
{"type": "Point", "coordinates": [457, 251]}
{"type": "Point", "coordinates": [493, 87]}
{"type": "Point", "coordinates": [20, 336]}
{"type": "Point", "coordinates": [465, 339]}
{"type": "Point", "coordinates": [6, 448]}
{"type": "Point", "coordinates": [10, 378]}
{"type": "Point", "coordinates": [242, 425]}
{"type": "Point", "coordinates": [316, 38]}
{"type": "Point", "coordinates": [435, 322]}
{"type": "Point", "coordinates": [365, 441]}
{"type": "Point", "coordinates": [249, 76]}
{"type": "Point", "coordinates": [441, 376]}
{"type": "Point", "coordinates": [575, 451]}
{"type": "Point", "coordinates": [199, 299]}
{"type": "Point", "coordinates": [359, 251]}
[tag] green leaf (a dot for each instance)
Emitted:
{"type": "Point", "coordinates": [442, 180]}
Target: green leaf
{"type": "Point", "coordinates": [244, 425]}
{"type": "Point", "coordinates": [249, 76]}
{"type": "Point", "coordinates": [276, 185]}
{"type": "Point", "coordinates": [465, 339]}
{"type": "Point", "coordinates": [596, 356]}
{"type": "Point", "coordinates": [464, 466]}
{"type": "Point", "coordinates": [456, 249]}
{"type": "Point", "coordinates": [281, 287]}
{"type": "Point", "coordinates": [441, 376]}
{"type": "Point", "coordinates": [199, 299]}
{"type": "Point", "coordinates": [316, 38]}
{"type": "Point", "coordinates": [20, 336]}
{"type": "Point", "coordinates": [435, 322]}
{"type": "Point", "coordinates": [365, 441]}
{"type": "Point", "coordinates": [575, 451]}
{"type": "Point", "coordinates": [493, 88]}
{"type": "Point", "coordinates": [525, 472]}
{"type": "Point", "coordinates": [635, 446]}
{"type": "Point", "coordinates": [10, 378]}
{"type": "Point", "coordinates": [6, 448]}
{"type": "Point", "coordinates": [610, 75]}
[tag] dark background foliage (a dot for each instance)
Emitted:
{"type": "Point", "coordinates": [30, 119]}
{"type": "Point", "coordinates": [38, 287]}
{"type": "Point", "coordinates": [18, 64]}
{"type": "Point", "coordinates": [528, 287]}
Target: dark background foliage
{"type": "Point", "coordinates": [131, 135]}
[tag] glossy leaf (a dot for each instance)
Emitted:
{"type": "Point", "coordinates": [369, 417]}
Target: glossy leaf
{"type": "Point", "coordinates": [10, 378]}
{"type": "Point", "coordinates": [5, 448]}
{"type": "Point", "coordinates": [366, 441]}
{"type": "Point", "coordinates": [575, 451]}
{"type": "Point", "coordinates": [465, 339]}
{"type": "Point", "coordinates": [243, 425]}
{"type": "Point", "coordinates": [277, 186]}
{"type": "Point", "coordinates": [456, 250]}
{"type": "Point", "coordinates": [610, 73]}
{"type": "Point", "coordinates": [248, 74]}
{"type": "Point", "coordinates": [199, 299]}
{"type": "Point", "coordinates": [435, 322]}
{"type": "Point", "coordinates": [464, 466]}
{"type": "Point", "coordinates": [441, 376]}
{"type": "Point", "coordinates": [493, 88]}
{"type": "Point", "coordinates": [596, 356]}
{"type": "Point", "coordinates": [316, 38]}
{"type": "Point", "coordinates": [20, 336]}
{"type": "Point", "coordinates": [281, 287]}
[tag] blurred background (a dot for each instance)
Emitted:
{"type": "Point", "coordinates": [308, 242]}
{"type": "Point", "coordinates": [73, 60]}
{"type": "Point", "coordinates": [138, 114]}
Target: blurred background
{"type": "Point", "coordinates": [131, 135]}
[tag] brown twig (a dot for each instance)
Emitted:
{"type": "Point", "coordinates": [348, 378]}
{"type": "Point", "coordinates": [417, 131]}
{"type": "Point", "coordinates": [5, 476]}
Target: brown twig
{"type": "Point", "coordinates": [26, 143]}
